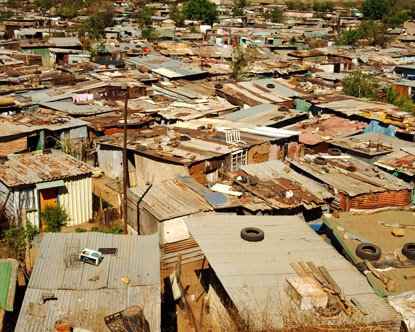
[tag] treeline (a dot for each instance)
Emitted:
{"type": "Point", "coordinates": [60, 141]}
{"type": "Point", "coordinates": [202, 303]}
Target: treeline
{"type": "Point", "coordinates": [380, 16]}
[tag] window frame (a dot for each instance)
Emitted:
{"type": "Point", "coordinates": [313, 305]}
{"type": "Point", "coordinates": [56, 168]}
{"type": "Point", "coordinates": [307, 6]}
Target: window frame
{"type": "Point", "coordinates": [238, 159]}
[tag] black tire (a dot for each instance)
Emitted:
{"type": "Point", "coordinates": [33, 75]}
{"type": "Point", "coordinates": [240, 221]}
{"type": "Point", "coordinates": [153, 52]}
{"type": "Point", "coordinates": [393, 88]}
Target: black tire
{"type": "Point", "coordinates": [270, 86]}
{"type": "Point", "coordinates": [320, 161]}
{"type": "Point", "coordinates": [334, 152]}
{"type": "Point", "coordinates": [368, 251]}
{"type": "Point", "coordinates": [283, 108]}
{"type": "Point", "coordinates": [252, 234]}
{"type": "Point", "coordinates": [218, 86]}
{"type": "Point", "coordinates": [408, 250]}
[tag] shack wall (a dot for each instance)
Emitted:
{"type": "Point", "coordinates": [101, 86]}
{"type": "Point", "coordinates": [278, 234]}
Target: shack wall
{"type": "Point", "coordinates": [76, 197]}
{"type": "Point", "coordinates": [154, 171]}
{"type": "Point", "coordinates": [13, 146]}
{"type": "Point", "coordinates": [369, 201]}
{"type": "Point", "coordinates": [110, 161]}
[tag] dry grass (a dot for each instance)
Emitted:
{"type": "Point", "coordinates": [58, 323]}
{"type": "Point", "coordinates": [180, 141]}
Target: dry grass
{"type": "Point", "coordinates": [288, 317]}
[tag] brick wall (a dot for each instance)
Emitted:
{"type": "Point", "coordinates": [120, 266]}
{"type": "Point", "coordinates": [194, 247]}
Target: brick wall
{"type": "Point", "coordinates": [368, 201]}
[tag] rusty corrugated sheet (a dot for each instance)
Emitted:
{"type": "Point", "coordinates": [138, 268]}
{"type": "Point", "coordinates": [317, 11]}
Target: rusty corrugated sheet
{"type": "Point", "coordinates": [37, 167]}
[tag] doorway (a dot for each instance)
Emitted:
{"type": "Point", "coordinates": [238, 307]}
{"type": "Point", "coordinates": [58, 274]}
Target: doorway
{"type": "Point", "coordinates": [47, 197]}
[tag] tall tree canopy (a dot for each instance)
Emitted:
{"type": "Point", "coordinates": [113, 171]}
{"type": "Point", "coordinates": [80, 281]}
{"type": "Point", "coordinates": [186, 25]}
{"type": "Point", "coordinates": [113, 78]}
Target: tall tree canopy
{"type": "Point", "coordinates": [200, 10]}
{"type": "Point", "coordinates": [376, 9]}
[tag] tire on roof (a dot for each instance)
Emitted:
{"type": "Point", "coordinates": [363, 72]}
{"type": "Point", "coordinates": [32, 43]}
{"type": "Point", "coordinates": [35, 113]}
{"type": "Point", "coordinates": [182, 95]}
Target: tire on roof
{"type": "Point", "coordinates": [368, 251]}
{"type": "Point", "coordinates": [252, 234]}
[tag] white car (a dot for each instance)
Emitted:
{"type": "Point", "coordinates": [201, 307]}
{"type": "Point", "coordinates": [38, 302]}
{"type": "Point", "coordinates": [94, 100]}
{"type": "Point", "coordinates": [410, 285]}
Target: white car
{"type": "Point", "coordinates": [90, 256]}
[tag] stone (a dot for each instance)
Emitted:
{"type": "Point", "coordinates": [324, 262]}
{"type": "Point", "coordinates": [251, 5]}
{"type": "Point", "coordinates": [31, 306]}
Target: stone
{"type": "Point", "coordinates": [125, 280]}
{"type": "Point", "coordinates": [398, 232]}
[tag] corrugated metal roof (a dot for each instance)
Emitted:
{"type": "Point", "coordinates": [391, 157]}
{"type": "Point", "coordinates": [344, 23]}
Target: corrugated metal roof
{"type": "Point", "coordinates": [65, 41]}
{"type": "Point", "coordinates": [342, 182]}
{"type": "Point", "coordinates": [166, 66]}
{"type": "Point", "coordinates": [279, 89]}
{"type": "Point", "coordinates": [73, 109]}
{"type": "Point", "coordinates": [271, 170]}
{"type": "Point", "coordinates": [36, 121]}
{"type": "Point", "coordinates": [374, 232]}
{"type": "Point", "coordinates": [247, 129]}
{"type": "Point", "coordinates": [251, 93]}
{"type": "Point", "coordinates": [35, 167]}
{"type": "Point", "coordinates": [49, 95]}
{"type": "Point", "coordinates": [254, 273]}
{"type": "Point", "coordinates": [87, 293]}
{"type": "Point", "coordinates": [265, 115]}
{"type": "Point", "coordinates": [399, 161]}
{"type": "Point", "coordinates": [354, 106]}
{"type": "Point", "coordinates": [170, 199]}
{"type": "Point", "coordinates": [217, 200]}
{"type": "Point", "coordinates": [323, 128]}
{"type": "Point", "coordinates": [371, 144]}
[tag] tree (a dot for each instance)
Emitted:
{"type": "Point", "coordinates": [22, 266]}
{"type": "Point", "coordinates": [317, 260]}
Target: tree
{"type": "Point", "coordinates": [177, 15]}
{"type": "Point", "coordinates": [200, 10]}
{"type": "Point", "coordinates": [238, 8]}
{"type": "Point", "coordinates": [145, 22]}
{"type": "Point", "coordinates": [275, 15]}
{"type": "Point", "coordinates": [55, 217]}
{"type": "Point", "coordinates": [359, 85]}
{"type": "Point", "coordinates": [376, 9]}
{"type": "Point", "coordinates": [241, 59]}
{"type": "Point", "coordinates": [43, 5]}
{"type": "Point", "coordinates": [101, 15]}
{"type": "Point", "coordinates": [398, 18]}
{"type": "Point", "coordinates": [348, 37]}
{"type": "Point", "coordinates": [375, 32]}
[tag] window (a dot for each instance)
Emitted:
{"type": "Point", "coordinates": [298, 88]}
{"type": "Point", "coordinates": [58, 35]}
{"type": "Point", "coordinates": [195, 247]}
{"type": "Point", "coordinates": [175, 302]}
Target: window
{"type": "Point", "coordinates": [27, 199]}
{"type": "Point", "coordinates": [238, 159]}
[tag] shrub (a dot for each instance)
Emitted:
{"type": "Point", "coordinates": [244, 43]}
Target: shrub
{"type": "Point", "coordinates": [16, 238]}
{"type": "Point", "coordinates": [241, 59]}
{"type": "Point", "coordinates": [395, 98]}
{"type": "Point", "coordinates": [55, 217]}
{"type": "Point", "coordinates": [375, 32]}
{"type": "Point", "coordinates": [359, 85]}
{"type": "Point", "coordinates": [116, 229]}
{"type": "Point", "coordinates": [275, 15]}
{"type": "Point", "coordinates": [348, 37]}
{"type": "Point", "coordinates": [80, 230]}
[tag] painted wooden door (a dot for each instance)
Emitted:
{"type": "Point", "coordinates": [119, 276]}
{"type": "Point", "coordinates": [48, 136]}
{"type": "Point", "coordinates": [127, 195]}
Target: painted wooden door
{"type": "Point", "coordinates": [47, 197]}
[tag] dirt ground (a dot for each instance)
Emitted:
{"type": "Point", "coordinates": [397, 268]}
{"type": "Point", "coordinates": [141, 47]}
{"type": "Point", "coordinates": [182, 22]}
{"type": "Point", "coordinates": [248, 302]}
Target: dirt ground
{"type": "Point", "coordinates": [87, 226]}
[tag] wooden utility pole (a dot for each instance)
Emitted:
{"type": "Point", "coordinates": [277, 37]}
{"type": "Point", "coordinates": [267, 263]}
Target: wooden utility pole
{"type": "Point", "coordinates": [125, 160]}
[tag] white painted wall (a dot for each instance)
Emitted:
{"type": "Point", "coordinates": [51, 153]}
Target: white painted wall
{"type": "Point", "coordinates": [75, 197]}
{"type": "Point", "coordinates": [77, 200]}
{"type": "Point", "coordinates": [110, 161]}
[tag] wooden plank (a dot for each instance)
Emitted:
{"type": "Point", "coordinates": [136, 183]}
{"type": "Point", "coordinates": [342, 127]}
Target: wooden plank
{"type": "Point", "coordinates": [329, 278]}
{"type": "Point", "coordinates": [299, 270]}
